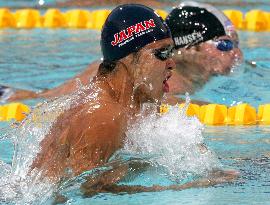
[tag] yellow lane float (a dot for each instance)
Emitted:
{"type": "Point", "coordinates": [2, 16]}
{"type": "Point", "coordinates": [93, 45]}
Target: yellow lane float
{"type": "Point", "coordinates": [28, 18]}
{"type": "Point", "coordinates": [256, 20]}
{"type": "Point", "coordinates": [192, 110]}
{"type": "Point", "coordinates": [13, 111]}
{"type": "Point", "coordinates": [211, 114]}
{"type": "Point", "coordinates": [216, 114]}
{"type": "Point", "coordinates": [7, 20]}
{"type": "Point", "coordinates": [53, 18]}
{"type": "Point", "coordinates": [77, 18]}
{"type": "Point", "coordinates": [264, 114]}
{"type": "Point", "coordinates": [253, 20]}
{"type": "Point", "coordinates": [242, 114]}
{"type": "Point", "coordinates": [236, 17]}
{"type": "Point", "coordinates": [163, 14]}
{"type": "Point", "coordinates": [98, 18]}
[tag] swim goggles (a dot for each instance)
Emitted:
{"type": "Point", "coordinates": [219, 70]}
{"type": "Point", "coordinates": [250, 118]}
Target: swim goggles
{"type": "Point", "coordinates": [225, 44]}
{"type": "Point", "coordinates": [164, 53]}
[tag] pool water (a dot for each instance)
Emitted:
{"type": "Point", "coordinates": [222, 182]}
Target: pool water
{"type": "Point", "coordinates": [40, 59]}
{"type": "Point", "coordinates": [27, 3]}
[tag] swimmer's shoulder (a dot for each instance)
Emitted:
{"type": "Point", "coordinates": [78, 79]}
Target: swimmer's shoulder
{"type": "Point", "coordinates": [111, 110]}
{"type": "Point", "coordinates": [100, 113]}
{"type": "Point", "coordinates": [100, 123]}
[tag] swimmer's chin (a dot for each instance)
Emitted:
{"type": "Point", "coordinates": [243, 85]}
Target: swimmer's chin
{"type": "Point", "coordinates": [223, 71]}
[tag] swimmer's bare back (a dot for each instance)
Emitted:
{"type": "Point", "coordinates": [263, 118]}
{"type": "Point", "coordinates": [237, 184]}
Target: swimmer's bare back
{"type": "Point", "coordinates": [82, 138]}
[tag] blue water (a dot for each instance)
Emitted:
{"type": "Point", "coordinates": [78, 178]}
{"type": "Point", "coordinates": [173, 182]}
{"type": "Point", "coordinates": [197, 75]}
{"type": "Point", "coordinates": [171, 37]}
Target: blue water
{"type": "Point", "coordinates": [40, 59]}
{"type": "Point", "coordinates": [26, 3]}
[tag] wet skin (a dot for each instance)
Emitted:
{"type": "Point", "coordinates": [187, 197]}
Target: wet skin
{"type": "Point", "coordinates": [87, 135]}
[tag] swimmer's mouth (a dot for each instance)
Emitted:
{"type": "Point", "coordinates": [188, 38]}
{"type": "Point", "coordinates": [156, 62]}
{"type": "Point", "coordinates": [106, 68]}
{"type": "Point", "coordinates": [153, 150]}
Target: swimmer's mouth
{"type": "Point", "coordinates": [166, 87]}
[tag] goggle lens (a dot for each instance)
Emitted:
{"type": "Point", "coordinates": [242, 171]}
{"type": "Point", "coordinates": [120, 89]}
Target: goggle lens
{"type": "Point", "coordinates": [164, 53]}
{"type": "Point", "coordinates": [226, 45]}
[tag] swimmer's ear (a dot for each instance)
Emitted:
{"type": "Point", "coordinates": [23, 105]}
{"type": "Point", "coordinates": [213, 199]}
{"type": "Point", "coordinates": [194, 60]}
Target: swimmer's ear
{"type": "Point", "coordinates": [141, 90]}
{"type": "Point", "coordinates": [136, 57]}
{"type": "Point", "coordinates": [106, 67]}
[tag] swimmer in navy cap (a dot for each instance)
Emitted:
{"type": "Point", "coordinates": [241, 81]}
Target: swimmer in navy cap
{"type": "Point", "coordinates": [137, 47]}
{"type": "Point", "coordinates": [206, 44]}
{"type": "Point", "coordinates": [130, 32]}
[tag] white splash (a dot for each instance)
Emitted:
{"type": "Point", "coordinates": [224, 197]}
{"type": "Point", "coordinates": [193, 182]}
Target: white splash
{"type": "Point", "coordinates": [173, 141]}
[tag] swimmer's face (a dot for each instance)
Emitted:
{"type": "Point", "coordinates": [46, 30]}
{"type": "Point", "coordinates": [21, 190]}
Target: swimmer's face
{"type": "Point", "coordinates": [219, 56]}
{"type": "Point", "coordinates": [152, 69]}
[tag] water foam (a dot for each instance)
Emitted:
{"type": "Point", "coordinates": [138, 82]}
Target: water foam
{"type": "Point", "coordinates": [173, 141]}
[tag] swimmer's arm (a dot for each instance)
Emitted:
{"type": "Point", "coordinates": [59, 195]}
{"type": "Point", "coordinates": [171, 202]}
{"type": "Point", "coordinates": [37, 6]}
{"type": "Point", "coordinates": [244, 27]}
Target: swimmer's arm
{"type": "Point", "coordinates": [107, 179]}
{"type": "Point", "coordinates": [94, 186]}
{"type": "Point", "coordinates": [107, 182]}
{"type": "Point", "coordinates": [217, 177]}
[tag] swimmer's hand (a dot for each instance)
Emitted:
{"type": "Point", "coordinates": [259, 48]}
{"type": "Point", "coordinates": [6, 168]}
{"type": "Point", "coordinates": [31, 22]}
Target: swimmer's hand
{"type": "Point", "coordinates": [214, 178]}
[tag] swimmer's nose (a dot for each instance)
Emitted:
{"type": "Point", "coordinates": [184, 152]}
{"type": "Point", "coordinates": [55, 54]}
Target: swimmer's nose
{"type": "Point", "coordinates": [170, 64]}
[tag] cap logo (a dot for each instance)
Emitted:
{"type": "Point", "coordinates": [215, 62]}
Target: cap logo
{"type": "Point", "coordinates": [184, 40]}
{"type": "Point", "coordinates": [136, 30]}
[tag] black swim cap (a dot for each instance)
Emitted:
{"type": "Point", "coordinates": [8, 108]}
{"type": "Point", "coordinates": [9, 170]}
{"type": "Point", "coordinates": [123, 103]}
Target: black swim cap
{"type": "Point", "coordinates": [130, 27]}
{"type": "Point", "coordinates": [192, 23]}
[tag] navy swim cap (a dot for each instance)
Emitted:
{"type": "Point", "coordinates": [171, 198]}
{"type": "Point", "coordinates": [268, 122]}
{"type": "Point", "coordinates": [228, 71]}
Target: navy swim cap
{"type": "Point", "coordinates": [130, 27]}
{"type": "Point", "coordinates": [192, 23]}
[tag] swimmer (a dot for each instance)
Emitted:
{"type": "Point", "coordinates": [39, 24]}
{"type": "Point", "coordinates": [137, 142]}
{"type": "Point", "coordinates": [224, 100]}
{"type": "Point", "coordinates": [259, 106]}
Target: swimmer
{"type": "Point", "coordinates": [214, 52]}
{"type": "Point", "coordinates": [136, 67]}
{"type": "Point", "coordinates": [135, 70]}
{"type": "Point", "coordinates": [206, 45]}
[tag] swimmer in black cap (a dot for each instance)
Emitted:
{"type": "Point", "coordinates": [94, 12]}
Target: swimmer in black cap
{"type": "Point", "coordinates": [137, 47]}
{"type": "Point", "coordinates": [206, 44]}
